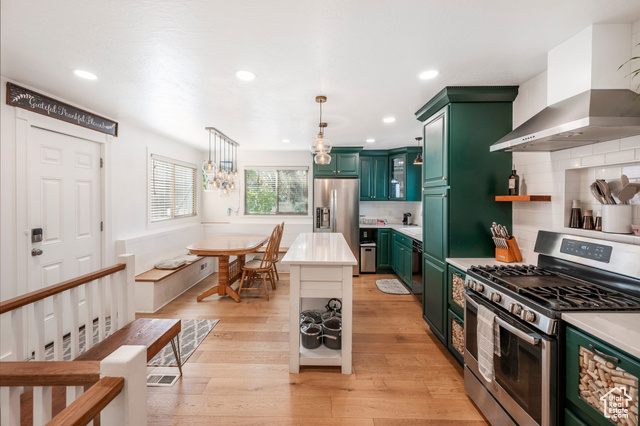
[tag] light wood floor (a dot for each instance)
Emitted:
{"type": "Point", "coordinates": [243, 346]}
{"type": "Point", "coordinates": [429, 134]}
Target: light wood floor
{"type": "Point", "coordinates": [239, 375]}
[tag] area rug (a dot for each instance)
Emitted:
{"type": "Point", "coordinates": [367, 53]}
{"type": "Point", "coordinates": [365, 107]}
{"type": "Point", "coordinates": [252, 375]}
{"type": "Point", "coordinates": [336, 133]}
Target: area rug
{"type": "Point", "coordinates": [391, 286]}
{"type": "Point", "coordinates": [192, 334]}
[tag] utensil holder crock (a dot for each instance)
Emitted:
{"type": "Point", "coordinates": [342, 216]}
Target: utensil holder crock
{"type": "Point", "coordinates": [616, 218]}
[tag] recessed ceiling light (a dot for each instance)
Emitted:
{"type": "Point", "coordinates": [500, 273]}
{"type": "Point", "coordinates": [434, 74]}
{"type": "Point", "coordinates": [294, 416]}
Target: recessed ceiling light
{"type": "Point", "coordinates": [245, 75]}
{"type": "Point", "coordinates": [426, 75]}
{"type": "Point", "coordinates": [85, 74]}
{"type": "Point", "coordinates": [285, 141]}
{"type": "Point", "coordinates": [389, 119]}
{"type": "Point", "coordinates": [371, 140]}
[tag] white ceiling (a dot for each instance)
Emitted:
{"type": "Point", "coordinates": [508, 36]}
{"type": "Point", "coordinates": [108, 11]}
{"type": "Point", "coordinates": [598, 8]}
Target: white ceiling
{"type": "Point", "coordinates": [170, 65]}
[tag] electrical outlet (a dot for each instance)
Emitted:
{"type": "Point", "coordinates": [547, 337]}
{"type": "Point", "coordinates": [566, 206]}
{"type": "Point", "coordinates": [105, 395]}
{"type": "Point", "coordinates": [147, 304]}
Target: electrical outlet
{"type": "Point", "coordinates": [228, 212]}
{"type": "Point", "coordinates": [202, 266]}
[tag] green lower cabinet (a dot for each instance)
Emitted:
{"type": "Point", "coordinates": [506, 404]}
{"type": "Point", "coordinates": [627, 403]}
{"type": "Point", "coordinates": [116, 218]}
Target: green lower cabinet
{"type": "Point", "coordinates": [455, 336]}
{"type": "Point", "coordinates": [405, 269]}
{"type": "Point", "coordinates": [383, 253]}
{"type": "Point", "coordinates": [595, 373]}
{"type": "Point", "coordinates": [433, 299]}
{"type": "Point", "coordinates": [571, 419]}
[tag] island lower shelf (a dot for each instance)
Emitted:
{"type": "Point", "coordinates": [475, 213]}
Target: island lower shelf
{"type": "Point", "coordinates": [320, 356]}
{"type": "Point", "coordinates": [321, 268]}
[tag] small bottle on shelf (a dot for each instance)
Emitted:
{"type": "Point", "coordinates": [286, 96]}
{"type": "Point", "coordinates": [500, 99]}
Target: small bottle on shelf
{"type": "Point", "coordinates": [514, 183]}
{"type": "Point", "coordinates": [587, 220]}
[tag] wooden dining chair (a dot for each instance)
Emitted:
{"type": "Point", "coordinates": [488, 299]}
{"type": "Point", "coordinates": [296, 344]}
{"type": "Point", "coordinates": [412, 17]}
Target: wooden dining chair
{"type": "Point", "coordinates": [275, 258]}
{"type": "Point", "coordinates": [259, 269]}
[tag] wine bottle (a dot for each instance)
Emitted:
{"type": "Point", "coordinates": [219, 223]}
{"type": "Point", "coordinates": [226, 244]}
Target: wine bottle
{"type": "Point", "coordinates": [514, 183]}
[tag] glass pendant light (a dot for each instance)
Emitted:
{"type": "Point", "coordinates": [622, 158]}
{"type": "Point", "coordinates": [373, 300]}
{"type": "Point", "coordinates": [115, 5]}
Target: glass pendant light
{"type": "Point", "coordinates": [418, 160]}
{"type": "Point", "coordinates": [321, 147]}
{"type": "Point", "coordinates": [221, 171]}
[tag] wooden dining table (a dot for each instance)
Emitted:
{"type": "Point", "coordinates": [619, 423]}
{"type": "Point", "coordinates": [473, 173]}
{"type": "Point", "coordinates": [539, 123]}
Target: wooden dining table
{"type": "Point", "coordinates": [222, 247]}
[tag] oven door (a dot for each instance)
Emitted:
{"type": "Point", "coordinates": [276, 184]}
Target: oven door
{"type": "Point", "coordinates": [523, 367]}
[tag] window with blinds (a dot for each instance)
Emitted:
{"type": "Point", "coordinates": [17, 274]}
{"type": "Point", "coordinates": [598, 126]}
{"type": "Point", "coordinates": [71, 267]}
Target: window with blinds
{"type": "Point", "coordinates": [172, 189]}
{"type": "Point", "coordinates": [276, 190]}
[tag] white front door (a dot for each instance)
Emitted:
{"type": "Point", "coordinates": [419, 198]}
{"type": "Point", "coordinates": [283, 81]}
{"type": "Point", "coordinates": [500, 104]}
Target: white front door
{"type": "Point", "coordinates": [64, 200]}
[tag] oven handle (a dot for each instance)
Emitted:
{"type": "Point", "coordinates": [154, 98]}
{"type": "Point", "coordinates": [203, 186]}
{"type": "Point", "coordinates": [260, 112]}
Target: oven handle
{"type": "Point", "coordinates": [521, 334]}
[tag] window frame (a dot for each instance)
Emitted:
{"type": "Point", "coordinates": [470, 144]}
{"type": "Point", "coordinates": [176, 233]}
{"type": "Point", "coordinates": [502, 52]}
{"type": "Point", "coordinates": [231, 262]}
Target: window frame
{"type": "Point", "coordinates": [276, 169]}
{"type": "Point", "coordinates": [173, 162]}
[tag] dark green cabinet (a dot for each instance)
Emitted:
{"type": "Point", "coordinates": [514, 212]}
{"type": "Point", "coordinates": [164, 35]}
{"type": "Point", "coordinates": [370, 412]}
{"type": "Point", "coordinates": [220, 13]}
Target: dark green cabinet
{"type": "Point", "coordinates": [433, 299]}
{"type": "Point", "coordinates": [455, 289]}
{"type": "Point", "coordinates": [585, 355]}
{"type": "Point", "coordinates": [460, 178]}
{"type": "Point", "coordinates": [434, 163]}
{"type": "Point", "coordinates": [374, 178]}
{"type": "Point", "coordinates": [345, 162]}
{"type": "Point", "coordinates": [401, 257]}
{"type": "Point", "coordinates": [397, 172]}
{"type": "Point", "coordinates": [404, 183]}
{"type": "Point", "coordinates": [383, 252]}
{"type": "Point", "coordinates": [434, 222]}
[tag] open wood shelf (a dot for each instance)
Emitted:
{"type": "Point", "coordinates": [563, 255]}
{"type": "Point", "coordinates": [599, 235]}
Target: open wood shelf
{"type": "Point", "coordinates": [523, 197]}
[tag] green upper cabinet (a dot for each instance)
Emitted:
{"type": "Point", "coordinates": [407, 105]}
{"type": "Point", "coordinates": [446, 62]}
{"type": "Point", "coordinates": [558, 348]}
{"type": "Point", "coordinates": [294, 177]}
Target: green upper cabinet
{"type": "Point", "coordinates": [397, 166]}
{"type": "Point", "coordinates": [374, 177]}
{"type": "Point", "coordinates": [460, 124]}
{"type": "Point", "coordinates": [344, 163]}
{"type": "Point", "coordinates": [434, 166]}
{"type": "Point", "coordinates": [404, 184]}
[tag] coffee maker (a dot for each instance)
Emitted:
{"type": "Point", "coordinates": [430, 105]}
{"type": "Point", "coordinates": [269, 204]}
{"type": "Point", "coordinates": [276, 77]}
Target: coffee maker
{"type": "Point", "coordinates": [406, 219]}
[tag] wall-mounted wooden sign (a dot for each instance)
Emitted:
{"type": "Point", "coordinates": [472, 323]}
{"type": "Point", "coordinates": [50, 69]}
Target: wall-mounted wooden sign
{"type": "Point", "coordinates": [32, 101]}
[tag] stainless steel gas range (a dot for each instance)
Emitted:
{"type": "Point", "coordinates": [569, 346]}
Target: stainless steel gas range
{"type": "Point", "coordinates": [512, 371]}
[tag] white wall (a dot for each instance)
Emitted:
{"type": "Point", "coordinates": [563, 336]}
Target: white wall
{"type": "Point", "coordinates": [564, 174]}
{"type": "Point", "coordinates": [128, 186]}
{"type": "Point", "coordinates": [215, 207]}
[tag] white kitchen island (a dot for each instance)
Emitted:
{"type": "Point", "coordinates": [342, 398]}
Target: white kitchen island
{"type": "Point", "coordinates": [321, 268]}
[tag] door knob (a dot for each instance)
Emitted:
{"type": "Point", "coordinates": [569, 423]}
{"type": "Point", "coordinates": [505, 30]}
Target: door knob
{"type": "Point", "coordinates": [36, 252]}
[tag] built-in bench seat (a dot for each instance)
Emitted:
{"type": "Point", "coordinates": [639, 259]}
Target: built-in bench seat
{"type": "Point", "coordinates": [154, 288]}
{"type": "Point", "coordinates": [155, 275]}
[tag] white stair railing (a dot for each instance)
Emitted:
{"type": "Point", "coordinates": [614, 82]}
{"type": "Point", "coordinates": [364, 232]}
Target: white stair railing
{"type": "Point", "coordinates": [108, 295]}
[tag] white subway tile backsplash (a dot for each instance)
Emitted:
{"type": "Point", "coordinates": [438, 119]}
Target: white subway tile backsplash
{"type": "Point", "coordinates": [593, 160]}
{"type": "Point", "coordinates": [632, 142]}
{"type": "Point", "coordinates": [581, 151]}
{"type": "Point", "coordinates": [620, 156]}
{"type": "Point", "coordinates": [610, 146]}
{"type": "Point", "coordinates": [566, 176]}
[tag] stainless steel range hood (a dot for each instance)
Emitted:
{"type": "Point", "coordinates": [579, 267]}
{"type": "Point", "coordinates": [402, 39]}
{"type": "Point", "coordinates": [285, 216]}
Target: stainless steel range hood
{"type": "Point", "coordinates": [593, 116]}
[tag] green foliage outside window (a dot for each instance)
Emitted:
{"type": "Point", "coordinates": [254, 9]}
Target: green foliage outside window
{"type": "Point", "coordinates": [276, 191]}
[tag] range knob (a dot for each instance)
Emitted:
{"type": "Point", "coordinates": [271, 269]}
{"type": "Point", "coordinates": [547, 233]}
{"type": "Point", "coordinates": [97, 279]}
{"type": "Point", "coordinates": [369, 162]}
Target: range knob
{"type": "Point", "coordinates": [528, 316]}
{"type": "Point", "coordinates": [478, 287]}
{"type": "Point", "coordinates": [515, 308]}
{"type": "Point", "coordinates": [495, 297]}
{"type": "Point", "coordinates": [469, 283]}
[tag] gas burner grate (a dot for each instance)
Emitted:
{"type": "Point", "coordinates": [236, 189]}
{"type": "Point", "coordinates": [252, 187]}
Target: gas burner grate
{"type": "Point", "coordinates": [581, 297]}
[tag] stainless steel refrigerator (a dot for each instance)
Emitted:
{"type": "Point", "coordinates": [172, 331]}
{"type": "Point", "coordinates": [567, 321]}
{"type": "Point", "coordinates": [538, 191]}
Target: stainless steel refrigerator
{"type": "Point", "coordinates": [336, 208]}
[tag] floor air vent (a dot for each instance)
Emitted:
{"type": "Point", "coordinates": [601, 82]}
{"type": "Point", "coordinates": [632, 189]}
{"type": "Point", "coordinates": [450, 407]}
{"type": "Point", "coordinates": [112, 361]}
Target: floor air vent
{"type": "Point", "coordinates": [162, 379]}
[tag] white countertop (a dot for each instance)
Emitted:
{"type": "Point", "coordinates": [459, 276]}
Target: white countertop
{"type": "Point", "coordinates": [320, 248]}
{"type": "Point", "coordinates": [620, 329]}
{"type": "Point", "coordinates": [405, 229]}
{"type": "Point", "coordinates": [465, 263]}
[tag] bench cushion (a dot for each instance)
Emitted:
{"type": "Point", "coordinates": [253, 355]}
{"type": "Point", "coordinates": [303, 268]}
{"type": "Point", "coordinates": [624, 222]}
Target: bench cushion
{"type": "Point", "coordinates": [154, 333]}
{"type": "Point", "coordinates": [155, 275]}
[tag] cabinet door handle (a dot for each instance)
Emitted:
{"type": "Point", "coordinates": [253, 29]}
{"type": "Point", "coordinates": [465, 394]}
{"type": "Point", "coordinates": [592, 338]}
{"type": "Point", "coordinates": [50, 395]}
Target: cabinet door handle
{"type": "Point", "coordinates": [444, 195]}
{"type": "Point", "coordinates": [603, 355]}
{"type": "Point", "coordinates": [444, 178]}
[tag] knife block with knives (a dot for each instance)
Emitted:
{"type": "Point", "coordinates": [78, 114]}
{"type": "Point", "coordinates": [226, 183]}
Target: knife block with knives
{"type": "Point", "coordinates": [507, 249]}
